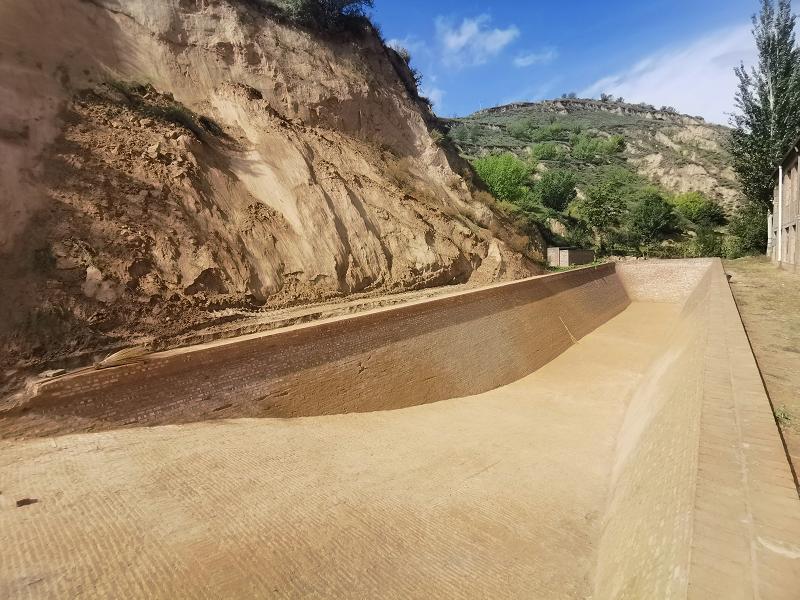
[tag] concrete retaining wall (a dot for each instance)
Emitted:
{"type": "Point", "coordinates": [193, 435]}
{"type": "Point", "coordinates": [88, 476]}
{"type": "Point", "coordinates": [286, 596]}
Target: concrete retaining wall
{"type": "Point", "coordinates": [702, 501]}
{"type": "Point", "coordinates": [450, 346]}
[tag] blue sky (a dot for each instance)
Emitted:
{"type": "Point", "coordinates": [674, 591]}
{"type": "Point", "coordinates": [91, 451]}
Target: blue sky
{"type": "Point", "coordinates": [665, 52]}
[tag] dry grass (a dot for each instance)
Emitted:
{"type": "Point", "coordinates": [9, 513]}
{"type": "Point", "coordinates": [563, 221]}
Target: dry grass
{"type": "Point", "coordinates": [400, 172]}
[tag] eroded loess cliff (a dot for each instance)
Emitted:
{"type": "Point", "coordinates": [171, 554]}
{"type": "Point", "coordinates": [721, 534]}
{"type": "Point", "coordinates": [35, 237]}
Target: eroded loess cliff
{"type": "Point", "coordinates": [164, 160]}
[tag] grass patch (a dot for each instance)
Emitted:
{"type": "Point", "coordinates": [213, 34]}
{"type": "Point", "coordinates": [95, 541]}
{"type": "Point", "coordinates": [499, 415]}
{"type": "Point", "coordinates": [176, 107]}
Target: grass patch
{"type": "Point", "coordinates": [783, 416]}
{"type": "Point", "coordinates": [147, 101]}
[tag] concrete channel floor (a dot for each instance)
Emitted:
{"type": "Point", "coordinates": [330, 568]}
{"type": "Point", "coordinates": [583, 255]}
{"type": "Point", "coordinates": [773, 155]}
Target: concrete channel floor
{"type": "Point", "coordinates": [491, 496]}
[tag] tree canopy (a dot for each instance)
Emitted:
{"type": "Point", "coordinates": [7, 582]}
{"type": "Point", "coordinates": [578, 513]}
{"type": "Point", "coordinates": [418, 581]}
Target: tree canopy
{"type": "Point", "coordinates": [767, 120]}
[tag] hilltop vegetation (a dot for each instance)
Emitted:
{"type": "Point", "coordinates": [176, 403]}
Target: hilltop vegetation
{"type": "Point", "coordinates": [678, 152]}
{"type": "Point", "coordinates": [624, 178]}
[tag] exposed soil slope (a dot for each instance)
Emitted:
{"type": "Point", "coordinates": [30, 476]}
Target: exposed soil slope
{"type": "Point", "coordinates": [164, 159]}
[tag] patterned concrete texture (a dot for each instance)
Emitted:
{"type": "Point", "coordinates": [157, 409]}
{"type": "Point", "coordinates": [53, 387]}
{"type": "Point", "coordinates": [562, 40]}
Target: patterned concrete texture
{"type": "Point", "coordinates": [584, 435]}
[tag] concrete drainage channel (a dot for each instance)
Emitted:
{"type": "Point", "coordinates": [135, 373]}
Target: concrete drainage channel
{"type": "Point", "coordinates": [597, 433]}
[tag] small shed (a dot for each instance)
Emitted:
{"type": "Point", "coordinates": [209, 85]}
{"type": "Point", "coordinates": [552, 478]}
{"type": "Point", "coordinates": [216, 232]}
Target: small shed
{"type": "Point", "coordinates": [568, 256]}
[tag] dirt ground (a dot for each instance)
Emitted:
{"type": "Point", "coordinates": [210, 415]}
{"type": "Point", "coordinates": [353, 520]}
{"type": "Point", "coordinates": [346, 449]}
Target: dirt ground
{"type": "Point", "coordinates": [439, 500]}
{"type": "Point", "coordinates": [769, 302]}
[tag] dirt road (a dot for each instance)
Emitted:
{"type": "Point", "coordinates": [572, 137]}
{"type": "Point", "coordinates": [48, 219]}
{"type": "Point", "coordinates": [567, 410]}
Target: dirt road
{"type": "Point", "coordinates": [769, 302]}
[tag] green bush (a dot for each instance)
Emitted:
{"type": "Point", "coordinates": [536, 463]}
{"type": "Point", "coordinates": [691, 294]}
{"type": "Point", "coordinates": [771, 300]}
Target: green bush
{"type": "Point", "coordinates": [555, 189]}
{"type": "Point", "coordinates": [554, 131]}
{"type": "Point", "coordinates": [747, 230]}
{"type": "Point", "coordinates": [546, 151]}
{"type": "Point", "coordinates": [585, 148]}
{"type": "Point", "coordinates": [578, 235]}
{"type": "Point", "coordinates": [324, 14]}
{"type": "Point", "coordinates": [589, 148]}
{"type": "Point", "coordinates": [602, 207]}
{"type": "Point", "coordinates": [439, 138]}
{"type": "Point", "coordinates": [699, 210]}
{"type": "Point", "coordinates": [505, 175]}
{"type": "Point", "coordinates": [613, 145]}
{"type": "Point", "coordinates": [521, 129]}
{"type": "Point", "coordinates": [649, 219]}
{"type": "Point", "coordinates": [529, 130]}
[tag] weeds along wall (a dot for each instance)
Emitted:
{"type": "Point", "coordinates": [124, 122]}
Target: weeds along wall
{"type": "Point", "coordinates": [451, 346]}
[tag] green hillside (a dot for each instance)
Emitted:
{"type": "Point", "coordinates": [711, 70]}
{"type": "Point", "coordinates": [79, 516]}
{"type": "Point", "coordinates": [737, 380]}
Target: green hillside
{"type": "Point", "coordinates": [622, 178]}
{"type": "Point", "coordinates": [677, 152]}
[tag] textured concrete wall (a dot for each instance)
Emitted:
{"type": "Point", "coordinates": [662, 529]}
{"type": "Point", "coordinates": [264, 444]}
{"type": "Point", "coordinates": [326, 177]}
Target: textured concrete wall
{"type": "Point", "coordinates": [451, 346]}
{"type": "Point", "coordinates": [644, 548]}
{"type": "Point", "coordinates": [702, 501]}
{"type": "Point", "coordinates": [661, 280]}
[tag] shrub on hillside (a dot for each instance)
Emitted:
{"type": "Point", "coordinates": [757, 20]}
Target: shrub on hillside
{"type": "Point", "coordinates": [554, 131]}
{"type": "Point", "coordinates": [602, 207]}
{"type": "Point", "coordinates": [555, 189]}
{"type": "Point", "coordinates": [747, 230]}
{"type": "Point", "coordinates": [699, 210]}
{"type": "Point", "coordinates": [648, 220]}
{"type": "Point", "coordinates": [405, 55]}
{"type": "Point", "coordinates": [521, 129]}
{"type": "Point", "coordinates": [546, 151]}
{"type": "Point", "coordinates": [613, 145]}
{"type": "Point", "coordinates": [589, 148]}
{"type": "Point", "coordinates": [465, 134]}
{"type": "Point", "coordinates": [529, 130]}
{"type": "Point", "coordinates": [505, 175]}
{"type": "Point", "coordinates": [439, 138]}
{"type": "Point", "coordinates": [324, 14]}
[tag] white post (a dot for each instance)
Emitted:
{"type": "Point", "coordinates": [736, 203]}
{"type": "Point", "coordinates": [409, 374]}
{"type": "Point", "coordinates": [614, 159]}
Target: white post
{"type": "Point", "coordinates": [780, 214]}
{"type": "Point", "coordinates": [770, 245]}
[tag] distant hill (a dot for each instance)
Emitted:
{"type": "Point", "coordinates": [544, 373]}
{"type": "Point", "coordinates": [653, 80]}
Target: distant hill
{"type": "Point", "coordinates": [678, 152]}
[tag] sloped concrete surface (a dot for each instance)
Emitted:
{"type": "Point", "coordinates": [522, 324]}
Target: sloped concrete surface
{"type": "Point", "coordinates": [641, 461]}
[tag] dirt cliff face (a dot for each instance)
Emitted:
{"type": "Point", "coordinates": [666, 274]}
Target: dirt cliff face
{"type": "Point", "coordinates": [168, 159]}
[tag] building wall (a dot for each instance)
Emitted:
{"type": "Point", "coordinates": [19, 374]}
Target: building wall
{"type": "Point", "coordinates": [784, 246]}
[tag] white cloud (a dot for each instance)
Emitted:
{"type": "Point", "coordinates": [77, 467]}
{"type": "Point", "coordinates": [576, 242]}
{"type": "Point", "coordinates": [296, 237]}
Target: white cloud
{"type": "Point", "coordinates": [697, 78]}
{"type": "Point", "coordinates": [473, 42]}
{"type": "Point", "coordinates": [434, 94]}
{"type": "Point", "coordinates": [535, 58]}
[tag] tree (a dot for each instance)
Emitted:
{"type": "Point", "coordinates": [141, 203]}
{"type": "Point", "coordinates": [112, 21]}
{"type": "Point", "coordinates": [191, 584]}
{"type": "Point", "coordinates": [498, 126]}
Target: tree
{"type": "Point", "coordinates": [601, 207]}
{"type": "Point", "coordinates": [746, 230]}
{"type": "Point", "coordinates": [767, 119]}
{"type": "Point", "coordinates": [324, 14]}
{"type": "Point", "coordinates": [555, 189]}
{"type": "Point", "coordinates": [696, 208]}
{"type": "Point", "coordinates": [649, 218]}
{"type": "Point", "coordinates": [505, 175]}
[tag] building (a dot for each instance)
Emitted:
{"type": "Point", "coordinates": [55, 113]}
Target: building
{"type": "Point", "coordinates": [783, 245]}
{"type": "Point", "coordinates": [568, 257]}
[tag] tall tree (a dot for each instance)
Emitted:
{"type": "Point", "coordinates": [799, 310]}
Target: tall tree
{"type": "Point", "coordinates": [767, 120]}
